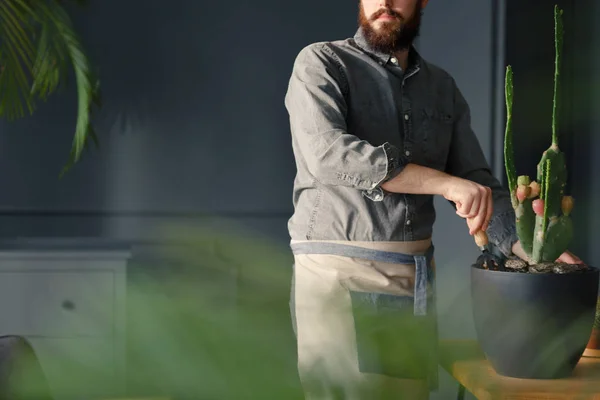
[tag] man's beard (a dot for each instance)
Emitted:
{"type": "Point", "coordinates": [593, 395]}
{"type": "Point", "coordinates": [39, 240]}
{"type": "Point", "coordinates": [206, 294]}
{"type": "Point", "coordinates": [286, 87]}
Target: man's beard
{"type": "Point", "coordinates": [394, 35]}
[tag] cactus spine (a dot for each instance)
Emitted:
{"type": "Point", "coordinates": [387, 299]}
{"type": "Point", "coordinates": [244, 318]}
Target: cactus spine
{"type": "Point", "coordinates": [542, 210]}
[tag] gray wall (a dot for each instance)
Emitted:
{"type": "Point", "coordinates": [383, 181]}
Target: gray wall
{"type": "Point", "coordinates": [465, 48]}
{"type": "Point", "coordinates": [584, 126]}
{"type": "Point", "coordinates": [594, 150]}
{"type": "Point", "coordinates": [468, 37]}
{"type": "Point", "coordinates": [194, 126]}
{"type": "Point", "coordinates": [193, 123]}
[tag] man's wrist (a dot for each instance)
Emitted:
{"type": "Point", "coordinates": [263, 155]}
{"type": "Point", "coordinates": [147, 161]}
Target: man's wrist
{"type": "Point", "coordinates": [445, 184]}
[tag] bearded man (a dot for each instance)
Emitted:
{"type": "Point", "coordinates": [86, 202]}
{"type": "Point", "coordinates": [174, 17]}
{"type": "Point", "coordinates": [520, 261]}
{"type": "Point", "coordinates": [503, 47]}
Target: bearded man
{"type": "Point", "coordinates": [377, 132]}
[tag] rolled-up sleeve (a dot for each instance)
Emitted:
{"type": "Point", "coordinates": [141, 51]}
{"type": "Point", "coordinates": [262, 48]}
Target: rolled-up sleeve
{"type": "Point", "coordinates": [466, 160]}
{"type": "Point", "coordinates": [315, 101]}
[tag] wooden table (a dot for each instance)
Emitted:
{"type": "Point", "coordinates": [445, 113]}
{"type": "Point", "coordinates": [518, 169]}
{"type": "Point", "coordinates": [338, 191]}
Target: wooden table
{"type": "Point", "coordinates": [464, 360]}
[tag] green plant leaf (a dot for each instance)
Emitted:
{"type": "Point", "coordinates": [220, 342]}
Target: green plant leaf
{"type": "Point", "coordinates": [17, 52]}
{"type": "Point", "coordinates": [69, 47]}
{"type": "Point", "coordinates": [38, 44]}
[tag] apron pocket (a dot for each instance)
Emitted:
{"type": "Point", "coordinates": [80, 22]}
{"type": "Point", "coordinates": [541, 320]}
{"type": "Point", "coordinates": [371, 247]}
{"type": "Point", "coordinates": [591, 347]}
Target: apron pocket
{"type": "Point", "coordinates": [390, 339]}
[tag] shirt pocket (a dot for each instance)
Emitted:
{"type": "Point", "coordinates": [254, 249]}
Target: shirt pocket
{"type": "Point", "coordinates": [438, 126]}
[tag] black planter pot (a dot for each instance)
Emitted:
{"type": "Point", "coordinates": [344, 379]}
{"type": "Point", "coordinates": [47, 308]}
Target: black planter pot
{"type": "Point", "coordinates": [533, 326]}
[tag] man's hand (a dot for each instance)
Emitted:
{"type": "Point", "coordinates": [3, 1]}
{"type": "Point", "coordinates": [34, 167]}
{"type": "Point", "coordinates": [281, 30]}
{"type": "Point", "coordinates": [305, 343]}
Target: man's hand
{"type": "Point", "coordinates": [473, 202]}
{"type": "Point", "coordinates": [567, 257]}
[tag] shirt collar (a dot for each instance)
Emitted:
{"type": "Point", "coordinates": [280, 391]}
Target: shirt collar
{"type": "Point", "coordinates": [414, 59]}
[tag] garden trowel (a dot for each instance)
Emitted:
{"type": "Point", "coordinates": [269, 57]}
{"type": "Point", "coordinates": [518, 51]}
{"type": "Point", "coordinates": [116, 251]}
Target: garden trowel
{"type": "Point", "coordinates": [487, 260]}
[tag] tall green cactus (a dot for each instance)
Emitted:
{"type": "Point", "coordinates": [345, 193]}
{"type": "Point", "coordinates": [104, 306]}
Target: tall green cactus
{"type": "Point", "coordinates": [542, 210]}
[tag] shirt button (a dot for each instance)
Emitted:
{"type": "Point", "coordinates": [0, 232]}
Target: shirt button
{"type": "Point", "coordinates": [407, 153]}
{"type": "Point", "coordinates": [394, 60]}
{"type": "Point", "coordinates": [408, 222]}
{"type": "Point", "coordinates": [406, 117]}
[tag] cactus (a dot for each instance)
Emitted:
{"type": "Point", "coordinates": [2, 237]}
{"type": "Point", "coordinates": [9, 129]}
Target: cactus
{"type": "Point", "coordinates": [542, 210]}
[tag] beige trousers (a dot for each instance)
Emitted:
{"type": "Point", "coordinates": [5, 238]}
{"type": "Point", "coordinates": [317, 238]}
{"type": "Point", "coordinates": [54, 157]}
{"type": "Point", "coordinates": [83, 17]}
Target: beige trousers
{"type": "Point", "coordinates": [357, 335]}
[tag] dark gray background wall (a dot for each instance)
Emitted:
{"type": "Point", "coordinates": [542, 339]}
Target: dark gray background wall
{"type": "Point", "coordinates": [583, 124]}
{"type": "Point", "coordinates": [194, 124]}
{"type": "Point", "coordinates": [466, 49]}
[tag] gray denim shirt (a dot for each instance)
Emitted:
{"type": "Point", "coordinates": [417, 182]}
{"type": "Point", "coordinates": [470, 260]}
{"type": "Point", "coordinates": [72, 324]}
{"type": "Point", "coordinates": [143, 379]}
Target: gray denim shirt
{"type": "Point", "coordinates": [356, 120]}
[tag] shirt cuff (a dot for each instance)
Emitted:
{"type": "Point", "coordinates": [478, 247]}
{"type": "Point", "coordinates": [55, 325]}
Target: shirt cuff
{"type": "Point", "coordinates": [395, 165]}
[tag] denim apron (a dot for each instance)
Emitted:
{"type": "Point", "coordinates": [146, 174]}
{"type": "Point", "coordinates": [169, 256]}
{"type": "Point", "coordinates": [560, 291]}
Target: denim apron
{"type": "Point", "coordinates": [393, 325]}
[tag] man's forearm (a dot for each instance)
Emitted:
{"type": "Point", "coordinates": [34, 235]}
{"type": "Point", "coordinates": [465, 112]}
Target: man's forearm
{"type": "Point", "coordinates": [472, 201]}
{"type": "Point", "coordinates": [416, 179]}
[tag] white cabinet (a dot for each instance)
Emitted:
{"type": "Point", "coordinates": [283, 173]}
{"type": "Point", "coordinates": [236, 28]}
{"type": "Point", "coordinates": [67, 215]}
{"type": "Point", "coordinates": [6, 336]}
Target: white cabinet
{"type": "Point", "coordinates": [68, 298]}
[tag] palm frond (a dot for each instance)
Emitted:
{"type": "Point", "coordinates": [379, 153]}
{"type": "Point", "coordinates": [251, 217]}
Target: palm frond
{"type": "Point", "coordinates": [68, 44]}
{"type": "Point", "coordinates": [17, 52]}
{"type": "Point", "coordinates": [38, 44]}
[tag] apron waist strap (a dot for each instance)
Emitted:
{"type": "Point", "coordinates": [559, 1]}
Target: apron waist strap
{"type": "Point", "coordinates": [422, 263]}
